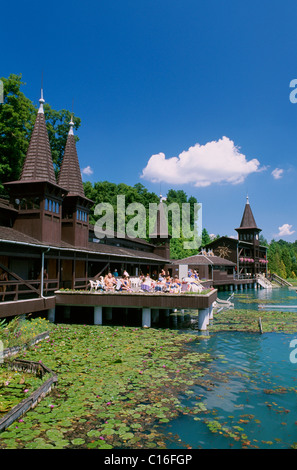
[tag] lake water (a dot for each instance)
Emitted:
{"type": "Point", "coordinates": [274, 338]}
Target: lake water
{"type": "Point", "coordinates": [254, 399]}
{"type": "Point", "coordinates": [272, 299]}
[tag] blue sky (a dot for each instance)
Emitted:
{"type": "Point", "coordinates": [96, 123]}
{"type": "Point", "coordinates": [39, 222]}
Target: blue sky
{"type": "Point", "coordinates": [160, 77]}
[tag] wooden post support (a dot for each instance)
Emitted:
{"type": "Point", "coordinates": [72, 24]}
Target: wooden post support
{"type": "Point", "coordinates": [203, 319]}
{"type": "Point", "coordinates": [98, 315]}
{"type": "Point", "coordinates": [211, 312]}
{"type": "Point", "coordinates": [146, 317]}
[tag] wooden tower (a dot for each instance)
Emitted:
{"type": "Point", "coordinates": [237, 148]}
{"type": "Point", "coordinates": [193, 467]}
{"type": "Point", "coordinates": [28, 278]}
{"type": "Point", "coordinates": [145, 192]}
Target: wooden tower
{"type": "Point", "coordinates": [76, 207]}
{"type": "Point", "coordinates": [36, 195]}
{"type": "Point", "coordinates": [249, 232]}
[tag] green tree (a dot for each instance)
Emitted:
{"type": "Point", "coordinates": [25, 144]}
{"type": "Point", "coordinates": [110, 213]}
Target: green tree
{"type": "Point", "coordinates": [205, 238]}
{"type": "Point", "coordinates": [17, 117]}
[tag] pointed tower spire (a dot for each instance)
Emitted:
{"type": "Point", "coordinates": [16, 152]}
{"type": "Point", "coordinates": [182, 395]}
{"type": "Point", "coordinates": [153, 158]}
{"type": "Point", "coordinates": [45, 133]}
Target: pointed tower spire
{"type": "Point", "coordinates": [70, 175]}
{"type": "Point", "coordinates": [248, 228]}
{"type": "Point", "coordinates": [38, 165]}
{"type": "Point", "coordinates": [248, 220]}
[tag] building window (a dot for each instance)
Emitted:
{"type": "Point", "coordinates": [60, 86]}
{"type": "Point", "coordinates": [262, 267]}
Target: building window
{"type": "Point", "coordinates": [23, 203]}
{"type": "Point", "coordinates": [54, 206]}
{"type": "Point", "coordinates": [57, 208]}
{"type": "Point", "coordinates": [50, 205]}
{"type": "Point", "coordinates": [46, 205]}
{"type": "Point", "coordinates": [37, 203]}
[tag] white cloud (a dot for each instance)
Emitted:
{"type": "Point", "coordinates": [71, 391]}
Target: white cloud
{"type": "Point", "coordinates": [202, 165]}
{"type": "Point", "coordinates": [277, 173]}
{"type": "Point", "coordinates": [285, 230]}
{"type": "Point", "coordinates": [87, 171]}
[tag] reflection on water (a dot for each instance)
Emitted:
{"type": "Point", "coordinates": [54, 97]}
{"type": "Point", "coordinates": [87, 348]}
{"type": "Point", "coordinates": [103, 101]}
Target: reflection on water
{"type": "Point", "coordinates": [253, 398]}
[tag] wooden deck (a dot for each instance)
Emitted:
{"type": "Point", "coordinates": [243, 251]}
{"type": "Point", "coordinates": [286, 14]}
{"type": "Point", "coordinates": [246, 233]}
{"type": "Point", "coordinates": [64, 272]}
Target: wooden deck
{"type": "Point", "coordinates": [21, 307]}
{"type": "Point", "coordinates": [137, 300]}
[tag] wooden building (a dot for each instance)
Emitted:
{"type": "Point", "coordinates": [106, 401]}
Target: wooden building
{"type": "Point", "coordinates": [212, 270]}
{"type": "Point", "coordinates": [249, 256]}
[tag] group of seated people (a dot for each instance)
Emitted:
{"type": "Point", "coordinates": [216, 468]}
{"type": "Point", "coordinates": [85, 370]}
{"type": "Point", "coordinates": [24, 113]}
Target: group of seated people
{"type": "Point", "coordinates": [161, 283]}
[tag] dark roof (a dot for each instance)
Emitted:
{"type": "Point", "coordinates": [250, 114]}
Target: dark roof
{"type": "Point", "coordinates": [248, 220]}
{"type": "Point", "coordinates": [12, 235]}
{"type": "Point", "coordinates": [122, 251]}
{"type": "Point", "coordinates": [38, 163]}
{"type": "Point", "coordinates": [6, 205]}
{"type": "Point", "coordinates": [197, 260]}
{"type": "Point", "coordinates": [70, 175]}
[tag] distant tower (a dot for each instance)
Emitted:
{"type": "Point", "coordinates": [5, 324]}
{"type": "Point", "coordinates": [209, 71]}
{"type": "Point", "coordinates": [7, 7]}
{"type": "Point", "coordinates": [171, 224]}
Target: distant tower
{"type": "Point", "coordinates": [249, 232]}
{"type": "Point", "coordinates": [76, 207]}
{"type": "Point", "coordinates": [36, 195]}
{"type": "Point", "coordinates": [160, 236]}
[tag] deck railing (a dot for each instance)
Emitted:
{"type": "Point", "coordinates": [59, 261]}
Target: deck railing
{"type": "Point", "coordinates": [17, 289]}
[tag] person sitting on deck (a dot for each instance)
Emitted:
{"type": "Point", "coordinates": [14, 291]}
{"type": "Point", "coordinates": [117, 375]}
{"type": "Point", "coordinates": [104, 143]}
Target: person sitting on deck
{"type": "Point", "coordinates": [109, 282]}
{"type": "Point", "coordinates": [168, 283]}
{"type": "Point", "coordinates": [196, 275]}
{"type": "Point", "coordinates": [126, 284]}
{"type": "Point", "coordinates": [147, 284]}
{"type": "Point", "coordinates": [175, 287]}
